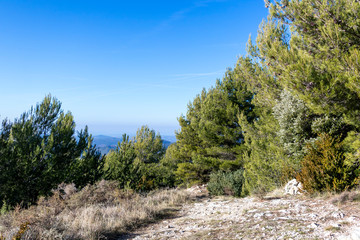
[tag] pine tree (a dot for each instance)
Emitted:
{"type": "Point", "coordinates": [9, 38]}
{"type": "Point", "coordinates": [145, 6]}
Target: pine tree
{"type": "Point", "coordinates": [120, 164]}
{"type": "Point", "coordinates": [149, 147]}
{"type": "Point", "coordinates": [312, 49]}
{"type": "Point", "coordinates": [211, 137]}
{"type": "Point", "coordinates": [136, 163]}
{"type": "Point", "coordinates": [39, 151]}
{"type": "Point", "coordinates": [307, 48]}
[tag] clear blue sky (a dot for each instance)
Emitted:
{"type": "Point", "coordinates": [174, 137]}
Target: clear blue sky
{"type": "Point", "coordinates": [117, 65]}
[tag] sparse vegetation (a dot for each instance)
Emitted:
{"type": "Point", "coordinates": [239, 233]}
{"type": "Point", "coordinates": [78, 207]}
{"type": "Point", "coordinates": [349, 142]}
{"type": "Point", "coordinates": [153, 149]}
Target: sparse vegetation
{"type": "Point", "coordinates": [226, 183]}
{"type": "Point", "coordinates": [346, 196]}
{"type": "Point", "coordinates": [95, 212]}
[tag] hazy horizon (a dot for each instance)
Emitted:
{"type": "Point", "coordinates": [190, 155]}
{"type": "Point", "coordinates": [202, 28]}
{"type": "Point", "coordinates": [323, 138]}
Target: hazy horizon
{"type": "Point", "coordinates": [118, 131]}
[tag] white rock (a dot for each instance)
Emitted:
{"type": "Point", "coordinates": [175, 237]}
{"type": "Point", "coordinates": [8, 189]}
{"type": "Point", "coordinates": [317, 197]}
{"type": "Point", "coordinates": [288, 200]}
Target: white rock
{"type": "Point", "coordinates": [312, 215]}
{"type": "Point", "coordinates": [293, 187]}
{"type": "Point", "coordinates": [314, 225]}
{"type": "Point", "coordinates": [336, 225]}
{"type": "Point", "coordinates": [338, 214]}
{"type": "Point", "coordinates": [258, 215]}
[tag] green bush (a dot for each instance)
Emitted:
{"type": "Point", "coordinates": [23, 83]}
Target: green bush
{"type": "Point", "coordinates": [226, 183]}
{"type": "Point", "coordinates": [324, 167]}
{"type": "Point", "coordinates": [198, 170]}
{"type": "Point", "coordinates": [155, 176]}
{"type": "Point", "coordinates": [4, 208]}
{"type": "Point", "coordinates": [134, 165]}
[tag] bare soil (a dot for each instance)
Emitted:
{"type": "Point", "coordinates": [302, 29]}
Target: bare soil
{"type": "Point", "coordinates": [272, 217]}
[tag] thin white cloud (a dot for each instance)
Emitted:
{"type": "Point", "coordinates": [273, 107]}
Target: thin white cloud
{"type": "Point", "coordinates": [198, 74]}
{"type": "Point", "coordinates": [183, 12]}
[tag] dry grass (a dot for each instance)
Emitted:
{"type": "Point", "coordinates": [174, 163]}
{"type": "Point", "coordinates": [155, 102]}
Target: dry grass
{"type": "Point", "coordinates": [101, 211]}
{"type": "Point", "coordinates": [347, 196]}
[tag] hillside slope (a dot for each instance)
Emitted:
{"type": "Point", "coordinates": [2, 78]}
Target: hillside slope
{"type": "Point", "coordinates": [279, 217]}
{"type": "Point", "coordinates": [102, 211]}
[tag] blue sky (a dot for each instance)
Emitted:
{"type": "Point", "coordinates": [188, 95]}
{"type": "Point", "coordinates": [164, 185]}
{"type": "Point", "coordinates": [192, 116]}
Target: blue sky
{"type": "Point", "coordinates": [117, 65]}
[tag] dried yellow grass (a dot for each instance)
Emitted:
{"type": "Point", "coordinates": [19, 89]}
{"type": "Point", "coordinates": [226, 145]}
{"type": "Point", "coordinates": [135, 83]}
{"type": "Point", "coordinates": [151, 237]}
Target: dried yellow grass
{"type": "Point", "coordinates": [96, 212]}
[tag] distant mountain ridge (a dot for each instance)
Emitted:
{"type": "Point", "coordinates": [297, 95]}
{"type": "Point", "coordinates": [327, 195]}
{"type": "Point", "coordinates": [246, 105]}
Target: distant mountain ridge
{"type": "Point", "coordinates": [106, 143]}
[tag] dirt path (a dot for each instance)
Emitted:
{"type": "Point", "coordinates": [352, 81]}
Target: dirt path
{"type": "Point", "coordinates": [253, 218]}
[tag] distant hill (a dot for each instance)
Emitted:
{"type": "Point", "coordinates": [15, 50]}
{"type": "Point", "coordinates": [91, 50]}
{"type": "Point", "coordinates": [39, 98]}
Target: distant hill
{"type": "Point", "coordinates": [107, 143]}
{"type": "Point", "coordinates": [171, 139]}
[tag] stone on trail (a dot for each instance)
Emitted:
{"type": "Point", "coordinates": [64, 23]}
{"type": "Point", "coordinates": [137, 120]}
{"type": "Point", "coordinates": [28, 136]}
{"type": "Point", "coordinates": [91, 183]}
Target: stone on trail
{"type": "Point", "coordinates": [293, 187]}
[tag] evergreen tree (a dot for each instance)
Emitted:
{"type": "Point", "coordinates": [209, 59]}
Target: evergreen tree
{"type": "Point", "coordinates": [149, 147]}
{"type": "Point", "coordinates": [39, 151]}
{"type": "Point", "coordinates": [136, 164]}
{"type": "Point", "coordinates": [88, 168]}
{"type": "Point", "coordinates": [211, 127]}
{"type": "Point", "coordinates": [312, 49]}
{"type": "Point", "coordinates": [307, 49]}
{"type": "Point", "coordinates": [211, 137]}
{"type": "Point", "coordinates": [120, 164]}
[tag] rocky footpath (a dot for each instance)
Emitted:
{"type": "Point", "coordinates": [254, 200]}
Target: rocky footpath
{"type": "Point", "coordinates": [276, 216]}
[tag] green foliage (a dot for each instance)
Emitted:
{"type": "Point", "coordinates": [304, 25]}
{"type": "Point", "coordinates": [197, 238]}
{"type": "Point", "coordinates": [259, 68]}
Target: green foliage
{"type": "Point", "coordinates": [171, 158]}
{"type": "Point", "coordinates": [155, 176]}
{"type": "Point", "coordinates": [149, 147]}
{"type": "Point", "coordinates": [324, 167]}
{"type": "Point", "coordinates": [135, 164]}
{"type": "Point", "coordinates": [311, 48]}
{"type": "Point", "coordinates": [352, 148]}
{"type": "Point", "coordinates": [294, 120]}
{"type": "Point", "coordinates": [298, 126]}
{"type": "Point", "coordinates": [211, 136]}
{"type": "Point", "coordinates": [226, 183]}
{"type": "Point", "coordinates": [39, 151]}
{"type": "Point", "coordinates": [266, 164]}
{"type": "Point", "coordinates": [4, 208]}
{"type": "Point", "coordinates": [88, 168]}
{"type": "Point", "coordinates": [210, 127]}
{"type": "Point", "coordinates": [335, 126]}
{"type": "Point", "coordinates": [120, 164]}
{"type": "Point", "coordinates": [299, 79]}
{"type": "Point", "coordinates": [199, 169]}
{"type": "Point", "coordinates": [301, 68]}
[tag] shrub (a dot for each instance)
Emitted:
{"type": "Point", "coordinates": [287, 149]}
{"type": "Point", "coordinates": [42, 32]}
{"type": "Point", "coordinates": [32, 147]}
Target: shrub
{"type": "Point", "coordinates": [198, 170]}
{"type": "Point", "coordinates": [226, 183]}
{"type": "Point", "coordinates": [154, 176]}
{"type": "Point", "coordinates": [99, 211]}
{"type": "Point", "coordinates": [324, 167]}
{"type": "Point", "coordinates": [294, 119]}
{"type": "Point", "coordinates": [4, 208]}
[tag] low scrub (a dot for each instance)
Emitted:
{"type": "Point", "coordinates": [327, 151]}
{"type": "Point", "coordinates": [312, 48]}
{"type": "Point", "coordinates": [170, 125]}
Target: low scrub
{"type": "Point", "coordinates": [324, 167]}
{"type": "Point", "coordinates": [226, 183]}
{"type": "Point", "coordinates": [99, 211]}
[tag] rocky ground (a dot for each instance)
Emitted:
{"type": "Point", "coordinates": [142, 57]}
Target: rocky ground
{"type": "Point", "coordinates": [272, 217]}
